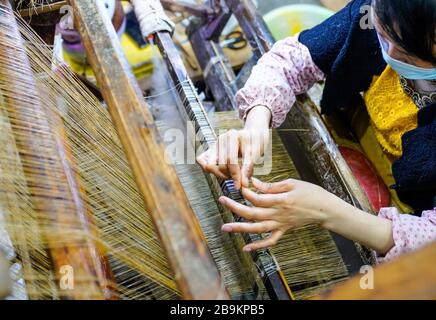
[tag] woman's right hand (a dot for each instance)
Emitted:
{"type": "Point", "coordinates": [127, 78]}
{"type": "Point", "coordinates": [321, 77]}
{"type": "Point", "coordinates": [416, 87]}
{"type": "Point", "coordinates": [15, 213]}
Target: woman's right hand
{"type": "Point", "coordinates": [222, 159]}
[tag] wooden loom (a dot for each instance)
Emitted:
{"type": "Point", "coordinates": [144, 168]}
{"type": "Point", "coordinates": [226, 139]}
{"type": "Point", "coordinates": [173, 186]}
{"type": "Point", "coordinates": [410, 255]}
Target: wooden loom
{"type": "Point", "coordinates": [120, 92]}
{"type": "Point", "coordinates": [110, 263]}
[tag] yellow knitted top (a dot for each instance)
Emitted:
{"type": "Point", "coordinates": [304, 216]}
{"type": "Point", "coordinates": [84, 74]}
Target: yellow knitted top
{"type": "Point", "coordinates": [391, 111]}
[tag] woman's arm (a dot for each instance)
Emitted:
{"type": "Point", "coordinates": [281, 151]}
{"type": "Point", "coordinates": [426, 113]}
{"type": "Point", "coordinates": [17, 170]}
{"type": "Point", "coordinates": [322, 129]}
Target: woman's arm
{"type": "Point", "coordinates": [409, 232]}
{"type": "Point", "coordinates": [354, 224]}
{"type": "Point", "coordinates": [390, 234]}
{"type": "Point", "coordinates": [290, 204]}
{"type": "Point", "coordinates": [281, 74]}
{"type": "Point", "coordinates": [284, 72]}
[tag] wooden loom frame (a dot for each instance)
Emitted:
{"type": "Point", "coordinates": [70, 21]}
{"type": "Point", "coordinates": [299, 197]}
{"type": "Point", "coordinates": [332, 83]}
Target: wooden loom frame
{"type": "Point", "coordinates": [320, 135]}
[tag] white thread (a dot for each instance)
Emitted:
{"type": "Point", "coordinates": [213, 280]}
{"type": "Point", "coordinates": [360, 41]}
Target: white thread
{"type": "Point", "coordinates": [166, 91]}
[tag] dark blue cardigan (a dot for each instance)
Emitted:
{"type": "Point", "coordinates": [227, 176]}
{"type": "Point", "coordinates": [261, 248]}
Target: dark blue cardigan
{"type": "Point", "coordinates": [351, 56]}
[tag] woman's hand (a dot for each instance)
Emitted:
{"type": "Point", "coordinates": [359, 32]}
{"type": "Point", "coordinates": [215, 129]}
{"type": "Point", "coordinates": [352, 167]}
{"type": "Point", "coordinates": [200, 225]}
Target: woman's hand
{"type": "Point", "coordinates": [286, 205]}
{"type": "Point", "coordinates": [279, 207]}
{"type": "Point", "coordinates": [222, 159]}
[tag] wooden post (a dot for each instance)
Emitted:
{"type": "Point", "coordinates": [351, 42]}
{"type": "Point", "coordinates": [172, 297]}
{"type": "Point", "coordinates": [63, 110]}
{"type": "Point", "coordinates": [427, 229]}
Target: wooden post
{"type": "Point", "coordinates": [50, 180]}
{"type": "Point", "coordinates": [319, 161]}
{"type": "Point", "coordinates": [217, 69]}
{"type": "Point", "coordinates": [195, 271]}
{"type": "Point", "coordinates": [255, 29]}
{"type": "Point", "coordinates": [411, 277]}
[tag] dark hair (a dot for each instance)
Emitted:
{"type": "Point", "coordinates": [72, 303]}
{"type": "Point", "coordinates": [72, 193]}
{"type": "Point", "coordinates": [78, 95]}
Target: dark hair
{"type": "Point", "coordinates": [411, 24]}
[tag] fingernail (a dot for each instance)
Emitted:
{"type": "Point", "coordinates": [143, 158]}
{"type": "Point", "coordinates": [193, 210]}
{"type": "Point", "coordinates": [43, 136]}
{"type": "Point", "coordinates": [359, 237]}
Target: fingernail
{"type": "Point", "coordinates": [226, 228]}
{"type": "Point", "coordinates": [247, 249]}
{"type": "Point", "coordinates": [222, 200]}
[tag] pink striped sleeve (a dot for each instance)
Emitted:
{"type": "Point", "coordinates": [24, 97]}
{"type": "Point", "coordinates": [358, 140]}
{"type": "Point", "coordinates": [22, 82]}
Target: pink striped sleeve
{"type": "Point", "coordinates": [410, 232]}
{"type": "Point", "coordinates": [280, 75]}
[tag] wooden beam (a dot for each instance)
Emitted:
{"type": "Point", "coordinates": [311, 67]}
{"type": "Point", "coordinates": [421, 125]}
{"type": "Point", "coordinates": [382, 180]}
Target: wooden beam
{"type": "Point", "coordinates": [411, 277]}
{"type": "Point", "coordinates": [216, 67]}
{"type": "Point", "coordinates": [99, 260]}
{"type": "Point", "coordinates": [195, 271]}
{"type": "Point", "coordinates": [41, 9]}
{"type": "Point", "coordinates": [255, 29]}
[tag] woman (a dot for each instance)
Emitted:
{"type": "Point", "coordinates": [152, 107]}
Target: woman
{"type": "Point", "coordinates": [395, 65]}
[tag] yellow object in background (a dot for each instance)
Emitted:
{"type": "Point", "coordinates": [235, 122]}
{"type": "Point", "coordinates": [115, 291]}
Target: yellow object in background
{"type": "Point", "coordinates": [292, 19]}
{"type": "Point", "coordinates": [140, 59]}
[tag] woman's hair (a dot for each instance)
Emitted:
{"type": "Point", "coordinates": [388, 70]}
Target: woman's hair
{"type": "Point", "coordinates": [411, 24]}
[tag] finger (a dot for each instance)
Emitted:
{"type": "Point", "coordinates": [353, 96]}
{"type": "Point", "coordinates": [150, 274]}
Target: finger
{"type": "Point", "coordinates": [209, 162]}
{"type": "Point", "coordinates": [249, 213]}
{"type": "Point", "coordinates": [247, 227]}
{"type": "Point", "coordinates": [223, 144]}
{"type": "Point", "coordinates": [202, 160]}
{"type": "Point", "coordinates": [252, 150]}
{"type": "Point", "coordinates": [263, 200]}
{"type": "Point", "coordinates": [247, 167]}
{"type": "Point", "coordinates": [266, 243]}
{"type": "Point", "coordinates": [277, 187]}
{"type": "Point", "coordinates": [215, 170]}
{"type": "Point", "coordinates": [211, 155]}
{"type": "Point", "coordinates": [232, 150]}
{"type": "Point", "coordinates": [224, 170]}
{"type": "Point", "coordinates": [247, 172]}
{"type": "Point", "coordinates": [235, 174]}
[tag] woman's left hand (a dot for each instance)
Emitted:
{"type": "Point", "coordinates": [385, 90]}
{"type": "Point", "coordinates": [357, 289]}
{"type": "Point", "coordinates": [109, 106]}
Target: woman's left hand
{"type": "Point", "coordinates": [279, 207]}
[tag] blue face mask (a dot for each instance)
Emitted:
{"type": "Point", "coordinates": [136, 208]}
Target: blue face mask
{"type": "Point", "coordinates": [406, 70]}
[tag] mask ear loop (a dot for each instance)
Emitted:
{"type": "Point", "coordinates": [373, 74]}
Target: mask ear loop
{"type": "Point", "coordinates": [383, 42]}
